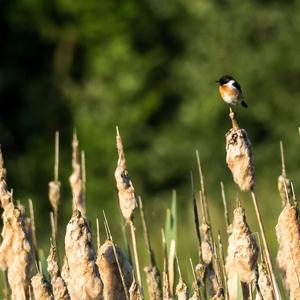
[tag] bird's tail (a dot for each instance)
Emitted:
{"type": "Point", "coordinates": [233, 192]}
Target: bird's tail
{"type": "Point", "coordinates": [244, 104]}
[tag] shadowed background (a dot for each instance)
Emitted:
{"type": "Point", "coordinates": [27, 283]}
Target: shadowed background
{"type": "Point", "coordinates": [150, 68]}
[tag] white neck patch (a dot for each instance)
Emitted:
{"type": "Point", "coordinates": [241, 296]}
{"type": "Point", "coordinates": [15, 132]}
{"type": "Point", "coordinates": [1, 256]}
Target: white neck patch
{"type": "Point", "coordinates": [230, 83]}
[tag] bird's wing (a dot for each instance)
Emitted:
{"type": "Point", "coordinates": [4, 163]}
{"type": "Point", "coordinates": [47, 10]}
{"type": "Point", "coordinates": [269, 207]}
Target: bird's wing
{"type": "Point", "coordinates": [237, 86]}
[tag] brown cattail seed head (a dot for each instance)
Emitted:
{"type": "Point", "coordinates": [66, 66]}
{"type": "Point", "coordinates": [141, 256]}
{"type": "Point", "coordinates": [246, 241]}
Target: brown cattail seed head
{"type": "Point", "coordinates": [239, 158]}
{"type": "Point", "coordinates": [59, 286]}
{"type": "Point", "coordinates": [264, 283]}
{"type": "Point", "coordinates": [41, 288]}
{"type": "Point", "coordinates": [153, 282]}
{"type": "Point", "coordinates": [16, 253]}
{"type": "Point", "coordinates": [288, 256]}
{"type": "Point", "coordinates": [182, 290]}
{"type": "Point", "coordinates": [110, 274]}
{"type": "Point", "coordinates": [242, 249]}
{"type": "Point", "coordinates": [83, 279]}
{"type": "Point", "coordinates": [54, 194]}
{"type": "Point", "coordinates": [127, 197]}
{"type": "Point", "coordinates": [207, 253]}
{"type": "Point", "coordinates": [135, 291]}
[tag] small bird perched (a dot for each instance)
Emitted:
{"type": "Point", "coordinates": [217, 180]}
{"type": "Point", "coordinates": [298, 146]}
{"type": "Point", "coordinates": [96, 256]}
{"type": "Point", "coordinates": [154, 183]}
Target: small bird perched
{"type": "Point", "coordinates": [231, 91]}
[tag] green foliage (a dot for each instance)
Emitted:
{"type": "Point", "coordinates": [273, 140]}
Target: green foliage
{"type": "Point", "coordinates": [171, 223]}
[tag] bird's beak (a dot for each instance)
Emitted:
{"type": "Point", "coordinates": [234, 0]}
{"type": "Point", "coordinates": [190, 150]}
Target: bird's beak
{"type": "Point", "coordinates": [217, 81]}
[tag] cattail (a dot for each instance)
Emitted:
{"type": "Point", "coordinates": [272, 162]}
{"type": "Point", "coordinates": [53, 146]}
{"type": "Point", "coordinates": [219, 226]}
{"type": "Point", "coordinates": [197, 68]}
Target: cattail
{"type": "Point", "coordinates": [153, 282]}
{"type": "Point", "coordinates": [264, 284]}
{"type": "Point", "coordinates": [219, 295]}
{"type": "Point", "coordinates": [59, 286]}
{"type": "Point", "coordinates": [242, 253]}
{"type": "Point", "coordinates": [182, 290]}
{"type": "Point", "coordinates": [284, 184]}
{"type": "Point", "coordinates": [239, 158]}
{"type": "Point", "coordinates": [41, 288]}
{"type": "Point", "coordinates": [54, 194]}
{"type": "Point", "coordinates": [135, 291]}
{"type": "Point", "coordinates": [76, 179]}
{"type": "Point", "coordinates": [110, 273]}
{"type": "Point", "coordinates": [288, 256]}
{"type": "Point", "coordinates": [127, 197]}
{"type": "Point", "coordinates": [207, 257]}
{"type": "Point", "coordinates": [16, 250]}
{"type": "Point", "coordinates": [83, 279]}
{"type": "Point", "coordinates": [65, 271]}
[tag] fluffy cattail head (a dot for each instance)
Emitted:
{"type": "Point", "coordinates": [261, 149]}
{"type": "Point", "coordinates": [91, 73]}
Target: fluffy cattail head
{"type": "Point", "coordinates": [127, 197]}
{"type": "Point", "coordinates": [2, 169]}
{"type": "Point", "coordinates": [239, 158]}
{"type": "Point", "coordinates": [59, 286]}
{"type": "Point", "coordinates": [41, 288]}
{"type": "Point", "coordinates": [264, 283]}
{"type": "Point", "coordinates": [182, 290]}
{"type": "Point", "coordinates": [110, 273]}
{"type": "Point", "coordinates": [288, 256]}
{"type": "Point", "coordinates": [83, 279]}
{"type": "Point", "coordinates": [153, 282]}
{"type": "Point", "coordinates": [54, 194]}
{"type": "Point", "coordinates": [242, 249]}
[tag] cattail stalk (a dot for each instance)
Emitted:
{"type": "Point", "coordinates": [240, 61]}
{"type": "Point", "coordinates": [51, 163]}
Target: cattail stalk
{"type": "Point", "coordinates": [226, 215]}
{"type": "Point", "coordinates": [54, 188]}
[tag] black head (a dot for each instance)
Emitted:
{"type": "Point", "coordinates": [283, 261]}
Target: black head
{"type": "Point", "coordinates": [225, 79]}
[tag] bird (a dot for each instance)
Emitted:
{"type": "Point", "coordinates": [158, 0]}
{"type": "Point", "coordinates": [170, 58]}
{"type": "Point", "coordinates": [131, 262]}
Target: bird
{"type": "Point", "coordinates": [231, 91]}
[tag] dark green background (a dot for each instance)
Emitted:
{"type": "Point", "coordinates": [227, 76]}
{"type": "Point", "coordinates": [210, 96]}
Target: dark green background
{"type": "Point", "coordinates": [149, 67]}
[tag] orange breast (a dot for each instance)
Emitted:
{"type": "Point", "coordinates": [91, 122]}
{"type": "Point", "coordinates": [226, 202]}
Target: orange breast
{"type": "Point", "coordinates": [227, 91]}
